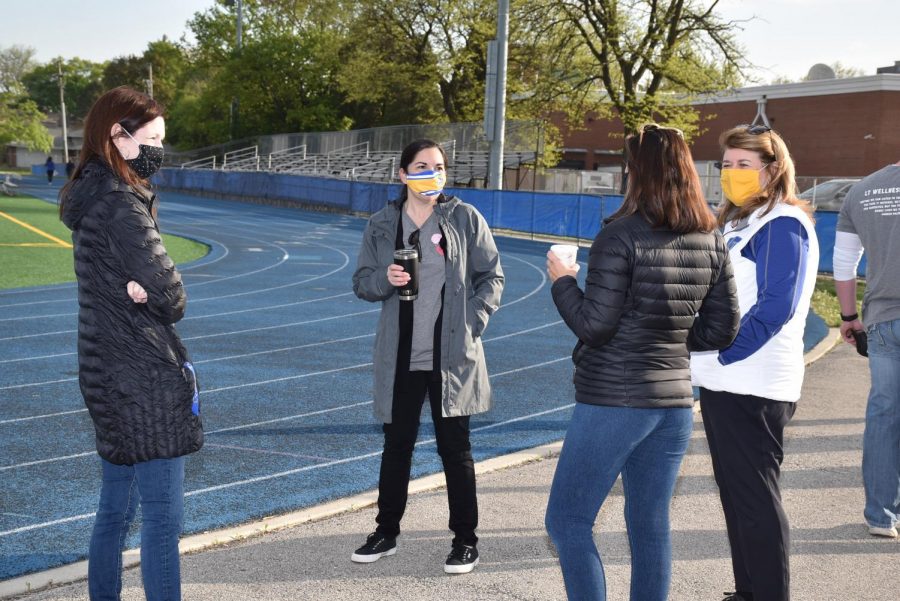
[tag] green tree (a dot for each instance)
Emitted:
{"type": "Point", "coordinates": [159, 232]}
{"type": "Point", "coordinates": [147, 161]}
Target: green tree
{"type": "Point", "coordinates": [648, 58]}
{"type": "Point", "coordinates": [83, 80]}
{"type": "Point", "coordinates": [414, 50]}
{"type": "Point", "coordinates": [284, 77]}
{"type": "Point", "coordinates": [169, 62]}
{"type": "Point", "coordinates": [20, 118]}
{"type": "Point", "coordinates": [15, 62]}
{"type": "Point", "coordinates": [21, 121]}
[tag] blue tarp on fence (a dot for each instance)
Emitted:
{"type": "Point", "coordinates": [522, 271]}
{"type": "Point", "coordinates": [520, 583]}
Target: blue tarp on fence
{"type": "Point", "coordinates": [541, 213]}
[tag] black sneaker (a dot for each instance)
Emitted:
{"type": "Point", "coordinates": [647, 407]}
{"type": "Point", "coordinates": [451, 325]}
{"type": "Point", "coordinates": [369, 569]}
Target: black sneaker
{"type": "Point", "coordinates": [736, 597]}
{"type": "Point", "coordinates": [377, 546]}
{"type": "Point", "coordinates": [462, 559]}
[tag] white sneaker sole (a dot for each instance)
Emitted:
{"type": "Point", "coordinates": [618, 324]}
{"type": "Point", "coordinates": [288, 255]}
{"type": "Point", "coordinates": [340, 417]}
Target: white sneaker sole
{"type": "Point", "coordinates": [464, 569]}
{"type": "Point", "coordinates": [883, 532]}
{"type": "Point", "coordinates": [373, 557]}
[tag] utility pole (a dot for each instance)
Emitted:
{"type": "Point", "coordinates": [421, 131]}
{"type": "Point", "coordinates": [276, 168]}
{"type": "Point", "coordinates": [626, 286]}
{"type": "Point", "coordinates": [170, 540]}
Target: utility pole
{"type": "Point", "coordinates": [495, 169]}
{"type": "Point", "coordinates": [235, 103]}
{"type": "Point", "coordinates": [62, 104]}
{"type": "Point", "coordinates": [150, 81]}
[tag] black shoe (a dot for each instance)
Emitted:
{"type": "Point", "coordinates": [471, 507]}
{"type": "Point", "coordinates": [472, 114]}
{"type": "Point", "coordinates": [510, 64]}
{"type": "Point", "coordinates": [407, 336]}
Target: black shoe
{"type": "Point", "coordinates": [462, 559]}
{"type": "Point", "coordinates": [736, 597]}
{"type": "Point", "coordinates": [377, 546]}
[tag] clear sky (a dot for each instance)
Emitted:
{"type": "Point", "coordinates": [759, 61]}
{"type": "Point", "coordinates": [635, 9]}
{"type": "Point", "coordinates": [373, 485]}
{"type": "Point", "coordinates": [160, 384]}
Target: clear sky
{"type": "Point", "coordinates": [786, 38]}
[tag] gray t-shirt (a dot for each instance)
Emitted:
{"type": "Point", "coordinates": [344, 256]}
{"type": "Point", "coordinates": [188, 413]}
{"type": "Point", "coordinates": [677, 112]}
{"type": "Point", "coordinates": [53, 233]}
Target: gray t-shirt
{"type": "Point", "coordinates": [871, 210]}
{"type": "Point", "coordinates": [428, 303]}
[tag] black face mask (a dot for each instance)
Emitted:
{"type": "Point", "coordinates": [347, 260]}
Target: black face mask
{"type": "Point", "coordinates": [148, 161]}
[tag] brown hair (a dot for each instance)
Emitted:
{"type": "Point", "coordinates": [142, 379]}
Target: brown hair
{"type": "Point", "coordinates": [130, 109]}
{"type": "Point", "coordinates": [773, 152]}
{"type": "Point", "coordinates": [663, 185]}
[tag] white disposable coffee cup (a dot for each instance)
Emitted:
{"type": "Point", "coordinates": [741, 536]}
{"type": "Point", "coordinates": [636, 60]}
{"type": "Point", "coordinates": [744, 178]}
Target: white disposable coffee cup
{"type": "Point", "coordinates": [567, 253]}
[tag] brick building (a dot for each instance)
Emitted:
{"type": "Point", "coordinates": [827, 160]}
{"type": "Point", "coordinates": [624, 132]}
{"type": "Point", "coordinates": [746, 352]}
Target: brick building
{"type": "Point", "coordinates": [833, 127]}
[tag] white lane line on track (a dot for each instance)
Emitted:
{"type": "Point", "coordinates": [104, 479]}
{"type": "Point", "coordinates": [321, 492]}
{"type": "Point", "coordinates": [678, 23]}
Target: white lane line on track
{"type": "Point", "coordinates": [199, 337]}
{"type": "Point", "coordinates": [286, 418]}
{"type": "Point", "coordinates": [485, 340]}
{"type": "Point", "coordinates": [225, 358]}
{"type": "Point", "coordinates": [17, 420]}
{"type": "Point", "coordinates": [285, 473]}
{"type": "Point", "coordinates": [266, 452]}
{"type": "Point", "coordinates": [193, 317]}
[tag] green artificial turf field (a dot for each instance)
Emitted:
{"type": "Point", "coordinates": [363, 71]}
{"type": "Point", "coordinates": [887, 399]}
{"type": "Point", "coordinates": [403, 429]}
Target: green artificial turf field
{"type": "Point", "coordinates": [36, 248]}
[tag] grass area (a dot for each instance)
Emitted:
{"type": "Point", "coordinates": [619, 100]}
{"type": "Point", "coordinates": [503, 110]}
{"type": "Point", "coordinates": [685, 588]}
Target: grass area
{"type": "Point", "coordinates": [825, 302]}
{"type": "Point", "coordinates": [30, 258]}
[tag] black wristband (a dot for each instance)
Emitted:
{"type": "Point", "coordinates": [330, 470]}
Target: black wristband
{"type": "Point", "coordinates": [852, 317]}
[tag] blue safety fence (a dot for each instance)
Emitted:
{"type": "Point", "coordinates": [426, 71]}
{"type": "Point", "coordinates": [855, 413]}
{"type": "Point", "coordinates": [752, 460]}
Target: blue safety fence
{"type": "Point", "coordinates": [534, 213]}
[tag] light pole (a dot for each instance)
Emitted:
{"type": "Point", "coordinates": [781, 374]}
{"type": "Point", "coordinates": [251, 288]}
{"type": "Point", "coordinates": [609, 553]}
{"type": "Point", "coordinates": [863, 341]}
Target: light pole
{"type": "Point", "coordinates": [495, 166]}
{"type": "Point", "coordinates": [235, 104]}
{"type": "Point", "coordinates": [150, 81]}
{"type": "Point", "coordinates": [62, 104]}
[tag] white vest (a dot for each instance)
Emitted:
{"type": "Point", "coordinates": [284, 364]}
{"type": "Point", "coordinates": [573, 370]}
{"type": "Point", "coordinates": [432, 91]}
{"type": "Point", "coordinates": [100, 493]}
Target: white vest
{"type": "Point", "coordinates": [775, 371]}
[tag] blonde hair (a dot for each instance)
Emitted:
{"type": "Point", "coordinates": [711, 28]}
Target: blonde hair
{"type": "Point", "coordinates": [782, 185]}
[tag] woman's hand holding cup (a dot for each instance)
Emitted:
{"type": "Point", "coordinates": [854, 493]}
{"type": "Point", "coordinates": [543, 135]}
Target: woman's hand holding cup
{"type": "Point", "coordinates": [396, 276]}
{"type": "Point", "coordinates": [562, 260]}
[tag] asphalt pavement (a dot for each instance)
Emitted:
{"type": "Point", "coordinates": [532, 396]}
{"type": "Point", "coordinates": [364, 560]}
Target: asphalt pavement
{"type": "Point", "coordinates": [307, 555]}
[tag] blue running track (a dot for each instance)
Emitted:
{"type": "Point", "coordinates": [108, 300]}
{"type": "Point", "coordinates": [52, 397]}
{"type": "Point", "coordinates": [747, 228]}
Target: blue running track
{"type": "Point", "coordinates": [283, 353]}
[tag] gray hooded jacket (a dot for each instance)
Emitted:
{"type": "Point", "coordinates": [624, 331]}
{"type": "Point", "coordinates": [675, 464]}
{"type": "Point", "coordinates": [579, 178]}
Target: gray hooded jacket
{"type": "Point", "coordinates": [474, 281]}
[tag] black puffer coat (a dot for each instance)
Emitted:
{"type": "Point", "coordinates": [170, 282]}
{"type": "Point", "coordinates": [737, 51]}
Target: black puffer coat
{"type": "Point", "coordinates": [651, 296]}
{"type": "Point", "coordinates": [131, 363]}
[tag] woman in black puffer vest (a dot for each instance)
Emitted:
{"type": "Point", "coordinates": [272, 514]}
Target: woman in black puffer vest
{"type": "Point", "coordinates": [134, 373]}
{"type": "Point", "coordinates": [659, 284]}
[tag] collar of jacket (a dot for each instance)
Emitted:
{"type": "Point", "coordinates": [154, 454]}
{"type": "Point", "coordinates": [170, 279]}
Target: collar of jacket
{"type": "Point", "coordinates": [386, 220]}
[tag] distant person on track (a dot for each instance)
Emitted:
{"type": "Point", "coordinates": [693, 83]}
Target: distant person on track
{"type": "Point", "coordinates": [70, 168]}
{"type": "Point", "coordinates": [430, 345]}
{"type": "Point", "coordinates": [659, 283]}
{"type": "Point", "coordinates": [50, 168]}
{"type": "Point", "coordinates": [749, 390]}
{"type": "Point", "coordinates": [135, 375]}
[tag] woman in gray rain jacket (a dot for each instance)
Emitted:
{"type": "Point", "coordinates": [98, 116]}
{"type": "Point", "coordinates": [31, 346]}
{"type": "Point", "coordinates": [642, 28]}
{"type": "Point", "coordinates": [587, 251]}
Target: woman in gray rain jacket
{"type": "Point", "coordinates": [431, 345]}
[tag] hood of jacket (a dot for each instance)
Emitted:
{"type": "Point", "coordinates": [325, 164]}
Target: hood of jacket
{"type": "Point", "coordinates": [95, 181]}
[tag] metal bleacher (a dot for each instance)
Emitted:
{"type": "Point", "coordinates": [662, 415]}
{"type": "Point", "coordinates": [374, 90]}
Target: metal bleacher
{"type": "Point", "coordinates": [339, 155]}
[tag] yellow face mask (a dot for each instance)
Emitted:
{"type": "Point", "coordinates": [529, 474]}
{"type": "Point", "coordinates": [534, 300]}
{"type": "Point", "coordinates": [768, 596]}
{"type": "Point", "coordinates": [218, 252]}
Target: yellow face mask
{"type": "Point", "coordinates": [740, 185]}
{"type": "Point", "coordinates": [426, 183]}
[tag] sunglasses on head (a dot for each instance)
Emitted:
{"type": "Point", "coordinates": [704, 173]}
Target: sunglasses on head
{"type": "Point", "coordinates": [755, 130]}
{"type": "Point", "coordinates": [653, 127]}
{"type": "Point", "coordinates": [413, 241]}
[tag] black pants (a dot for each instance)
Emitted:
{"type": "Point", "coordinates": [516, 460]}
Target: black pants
{"type": "Point", "coordinates": [453, 446]}
{"type": "Point", "coordinates": [745, 435]}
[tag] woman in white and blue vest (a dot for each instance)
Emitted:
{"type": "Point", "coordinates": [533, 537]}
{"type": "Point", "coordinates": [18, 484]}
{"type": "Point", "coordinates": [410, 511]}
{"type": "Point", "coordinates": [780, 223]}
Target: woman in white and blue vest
{"type": "Point", "coordinates": [749, 390]}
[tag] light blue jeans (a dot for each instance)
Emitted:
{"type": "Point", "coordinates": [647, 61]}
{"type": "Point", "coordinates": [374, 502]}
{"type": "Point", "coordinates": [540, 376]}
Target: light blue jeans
{"type": "Point", "coordinates": [881, 441]}
{"type": "Point", "coordinates": [158, 486]}
{"type": "Point", "coordinates": [644, 445]}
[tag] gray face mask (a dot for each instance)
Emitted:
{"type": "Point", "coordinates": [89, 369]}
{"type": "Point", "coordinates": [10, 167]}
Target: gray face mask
{"type": "Point", "coordinates": [148, 161]}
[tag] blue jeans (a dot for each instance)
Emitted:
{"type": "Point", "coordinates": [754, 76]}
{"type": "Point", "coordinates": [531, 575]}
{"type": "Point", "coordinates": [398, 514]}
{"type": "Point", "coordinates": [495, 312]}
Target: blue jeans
{"type": "Point", "coordinates": [158, 486]}
{"type": "Point", "coordinates": [644, 445]}
{"type": "Point", "coordinates": [881, 441]}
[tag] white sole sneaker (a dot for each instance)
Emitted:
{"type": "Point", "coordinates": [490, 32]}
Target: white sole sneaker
{"type": "Point", "coordinates": [372, 558]}
{"type": "Point", "coordinates": [883, 532]}
{"type": "Point", "coordinates": [463, 569]}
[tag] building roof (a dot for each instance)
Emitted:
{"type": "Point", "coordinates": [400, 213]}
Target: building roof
{"type": "Point", "coordinates": [883, 82]}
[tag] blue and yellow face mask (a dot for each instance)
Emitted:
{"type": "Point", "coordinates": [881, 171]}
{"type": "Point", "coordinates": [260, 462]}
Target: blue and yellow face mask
{"type": "Point", "coordinates": [426, 183]}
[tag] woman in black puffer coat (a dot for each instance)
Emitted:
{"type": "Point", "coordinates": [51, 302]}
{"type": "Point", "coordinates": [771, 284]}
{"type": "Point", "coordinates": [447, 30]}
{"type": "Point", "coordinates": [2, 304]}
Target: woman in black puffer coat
{"type": "Point", "coordinates": [659, 284]}
{"type": "Point", "coordinates": [135, 375]}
